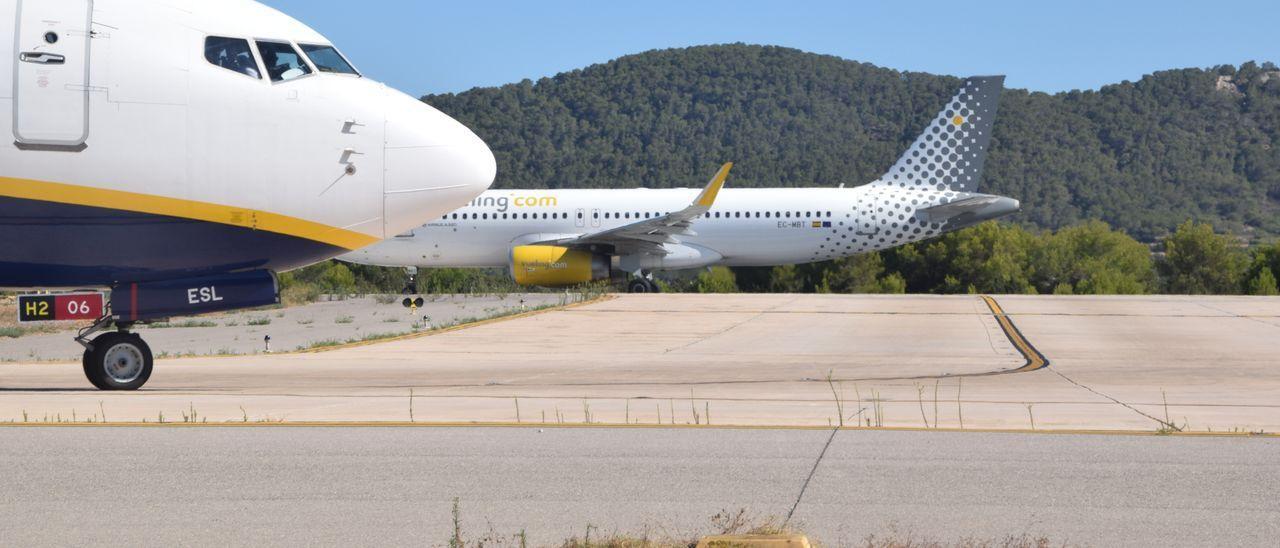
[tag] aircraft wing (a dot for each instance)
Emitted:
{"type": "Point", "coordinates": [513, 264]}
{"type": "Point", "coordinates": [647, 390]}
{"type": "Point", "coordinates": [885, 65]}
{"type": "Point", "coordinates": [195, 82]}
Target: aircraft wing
{"type": "Point", "coordinates": [649, 235]}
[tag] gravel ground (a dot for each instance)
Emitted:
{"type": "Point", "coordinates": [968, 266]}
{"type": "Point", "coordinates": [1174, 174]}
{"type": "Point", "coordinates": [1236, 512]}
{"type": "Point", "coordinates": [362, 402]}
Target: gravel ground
{"type": "Point", "coordinates": [294, 328]}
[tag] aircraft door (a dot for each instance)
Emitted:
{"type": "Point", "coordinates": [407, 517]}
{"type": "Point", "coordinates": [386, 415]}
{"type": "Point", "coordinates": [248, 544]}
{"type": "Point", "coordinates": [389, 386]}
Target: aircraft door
{"type": "Point", "coordinates": [51, 91]}
{"type": "Point", "coordinates": [595, 218]}
{"type": "Point", "coordinates": [581, 220]}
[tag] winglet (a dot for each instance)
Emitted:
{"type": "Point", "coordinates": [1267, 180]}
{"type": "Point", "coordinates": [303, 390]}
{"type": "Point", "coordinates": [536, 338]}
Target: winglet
{"type": "Point", "coordinates": [708, 196]}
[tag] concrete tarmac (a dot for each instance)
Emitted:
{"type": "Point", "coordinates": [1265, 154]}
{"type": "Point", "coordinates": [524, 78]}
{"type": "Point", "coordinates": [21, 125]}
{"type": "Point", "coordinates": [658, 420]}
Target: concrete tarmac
{"type": "Point", "coordinates": [1117, 363]}
{"type": "Point", "coordinates": [300, 486]}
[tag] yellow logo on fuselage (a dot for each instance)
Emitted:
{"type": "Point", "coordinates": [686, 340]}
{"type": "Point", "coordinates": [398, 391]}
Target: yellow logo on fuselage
{"type": "Point", "coordinates": [503, 203]}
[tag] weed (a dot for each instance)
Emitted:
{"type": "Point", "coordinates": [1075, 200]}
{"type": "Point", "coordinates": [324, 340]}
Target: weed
{"type": "Point", "coordinates": [839, 404]}
{"type": "Point", "coordinates": [343, 320]}
{"type": "Point", "coordinates": [307, 321]}
{"type": "Point", "coordinates": [920, 397]}
{"type": "Point", "coordinates": [391, 320]}
{"type": "Point", "coordinates": [385, 299]}
{"type": "Point", "coordinates": [411, 405]}
{"type": "Point", "coordinates": [456, 541]}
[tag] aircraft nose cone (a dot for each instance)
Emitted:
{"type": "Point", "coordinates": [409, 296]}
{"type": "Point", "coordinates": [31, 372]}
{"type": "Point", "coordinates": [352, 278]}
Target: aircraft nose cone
{"type": "Point", "coordinates": [434, 164]}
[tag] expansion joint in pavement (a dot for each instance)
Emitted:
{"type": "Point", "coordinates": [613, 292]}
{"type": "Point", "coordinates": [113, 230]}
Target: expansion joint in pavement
{"type": "Point", "coordinates": [813, 471]}
{"type": "Point", "coordinates": [1162, 423]}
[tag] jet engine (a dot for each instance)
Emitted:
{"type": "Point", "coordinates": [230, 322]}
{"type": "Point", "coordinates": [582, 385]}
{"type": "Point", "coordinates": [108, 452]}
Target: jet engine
{"type": "Point", "coordinates": [552, 266]}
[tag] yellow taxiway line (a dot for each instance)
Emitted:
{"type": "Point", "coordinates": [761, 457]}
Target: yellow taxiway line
{"type": "Point", "coordinates": [1035, 360]}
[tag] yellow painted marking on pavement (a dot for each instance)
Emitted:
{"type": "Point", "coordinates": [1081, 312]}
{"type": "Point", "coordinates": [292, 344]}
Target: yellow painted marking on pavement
{"type": "Point", "coordinates": [27, 189]}
{"type": "Point", "coordinates": [1035, 360]}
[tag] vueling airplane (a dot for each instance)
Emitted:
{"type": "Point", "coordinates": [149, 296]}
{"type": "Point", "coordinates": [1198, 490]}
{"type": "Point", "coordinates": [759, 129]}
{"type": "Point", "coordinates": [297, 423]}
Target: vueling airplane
{"type": "Point", "coordinates": [564, 237]}
{"type": "Point", "coordinates": [181, 152]}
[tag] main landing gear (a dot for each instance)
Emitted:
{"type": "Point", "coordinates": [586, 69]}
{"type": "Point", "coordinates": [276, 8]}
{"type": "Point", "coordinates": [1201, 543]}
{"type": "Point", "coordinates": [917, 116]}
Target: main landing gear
{"type": "Point", "coordinates": [643, 284]}
{"type": "Point", "coordinates": [116, 360]}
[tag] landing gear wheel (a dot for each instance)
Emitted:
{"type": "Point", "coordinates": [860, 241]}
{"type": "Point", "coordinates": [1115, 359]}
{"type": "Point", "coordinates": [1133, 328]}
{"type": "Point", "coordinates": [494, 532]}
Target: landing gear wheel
{"type": "Point", "coordinates": [118, 361]}
{"type": "Point", "coordinates": [640, 285]}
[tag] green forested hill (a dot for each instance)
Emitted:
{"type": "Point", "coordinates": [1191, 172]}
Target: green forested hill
{"type": "Point", "coordinates": [1143, 156]}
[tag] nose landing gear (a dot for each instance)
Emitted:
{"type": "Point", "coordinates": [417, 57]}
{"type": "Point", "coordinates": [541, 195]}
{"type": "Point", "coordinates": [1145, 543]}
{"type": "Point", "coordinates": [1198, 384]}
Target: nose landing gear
{"type": "Point", "coordinates": [117, 360]}
{"type": "Point", "coordinates": [411, 287]}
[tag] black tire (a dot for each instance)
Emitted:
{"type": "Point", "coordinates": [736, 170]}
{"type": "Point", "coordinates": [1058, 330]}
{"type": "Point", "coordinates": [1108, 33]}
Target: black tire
{"type": "Point", "coordinates": [639, 285]}
{"type": "Point", "coordinates": [118, 361]}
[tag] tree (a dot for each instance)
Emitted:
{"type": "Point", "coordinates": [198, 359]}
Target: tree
{"type": "Point", "coordinates": [1198, 262]}
{"type": "Point", "coordinates": [1264, 258]}
{"type": "Point", "coordinates": [1264, 284]}
{"type": "Point", "coordinates": [860, 274]}
{"type": "Point", "coordinates": [988, 258]}
{"type": "Point", "coordinates": [1092, 259]}
{"type": "Point", "coordinates": [786, 279]}
{"type": "Point", "coordinates": [338, 279]}
{"type": "Point", "coordinates": [717, 280]}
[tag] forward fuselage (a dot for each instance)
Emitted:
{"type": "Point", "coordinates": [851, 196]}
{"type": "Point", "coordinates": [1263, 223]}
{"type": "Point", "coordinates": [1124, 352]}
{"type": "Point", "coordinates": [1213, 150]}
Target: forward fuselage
{"type": "Point", "coordinates": [160, 139]}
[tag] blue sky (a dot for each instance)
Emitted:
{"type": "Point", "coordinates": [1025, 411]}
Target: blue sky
{"type": "Point", "coordinates": [424, 46]}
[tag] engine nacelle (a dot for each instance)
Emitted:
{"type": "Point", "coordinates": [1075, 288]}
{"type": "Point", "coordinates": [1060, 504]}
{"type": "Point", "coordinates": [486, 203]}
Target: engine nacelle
{"type": "Point", "coordinates": [552, 266]}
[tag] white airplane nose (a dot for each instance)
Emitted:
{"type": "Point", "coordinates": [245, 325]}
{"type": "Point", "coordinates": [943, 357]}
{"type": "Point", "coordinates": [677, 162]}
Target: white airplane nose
{"type": "Point", "coordinates": [434, 164]}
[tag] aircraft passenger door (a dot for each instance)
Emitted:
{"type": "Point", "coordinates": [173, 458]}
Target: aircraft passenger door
{"type": "Point", "coordinates": [51, 84]}
{"type": "Point", "coordinates": [581, 220]}
{"type": "Point", "coordinates": [595, 218]}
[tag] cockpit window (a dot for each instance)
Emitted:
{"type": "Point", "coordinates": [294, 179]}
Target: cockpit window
{"type": "Point", "coordinates": [327, 59]}
{"type": "Point", "coordinates": [282, 61]}
{"type": "Point", "coordinates": [232, 54]}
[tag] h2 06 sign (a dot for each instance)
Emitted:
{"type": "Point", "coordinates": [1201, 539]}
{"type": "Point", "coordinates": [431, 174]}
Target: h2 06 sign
{"type": "Point", "coordinates": [57, 308]}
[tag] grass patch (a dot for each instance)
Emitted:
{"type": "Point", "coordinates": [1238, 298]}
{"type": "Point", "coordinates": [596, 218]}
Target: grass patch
{"type": "Point", "coordinates": [259, 321]}
{"type": "Point", "coordinates": [307, 321]}
{"type": "Point", "coordinates": [18, 331]}
{"type": "Point", "coordinates": [343, 320]}
{"type": "Point", "coordinates": [897, 539]}
{"type": "Point", "coordinates": [725, 523]}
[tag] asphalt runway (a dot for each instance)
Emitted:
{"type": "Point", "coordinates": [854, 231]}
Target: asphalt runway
{"type": "Point", "coordinates": [1113, 363]}
{"type": "Point", "coordinates": [305, 486]}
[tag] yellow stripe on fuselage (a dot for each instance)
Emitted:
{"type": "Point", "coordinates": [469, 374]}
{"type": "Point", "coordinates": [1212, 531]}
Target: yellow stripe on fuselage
{"type": "Point", "coordinates": [173, 207]}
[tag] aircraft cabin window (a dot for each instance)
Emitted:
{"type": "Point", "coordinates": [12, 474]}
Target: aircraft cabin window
{"type": "Point", "coordinates": [327, 59]}
{"type": "Point", "coordinates": [232, 54]}
{"type": "Point", "coordinates": [282, 61]}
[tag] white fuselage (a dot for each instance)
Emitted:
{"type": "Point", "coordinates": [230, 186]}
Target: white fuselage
{"type": "Point", "coordinates": [746, 227]}
{"type": "Point", "coordinates": [142, 147]}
